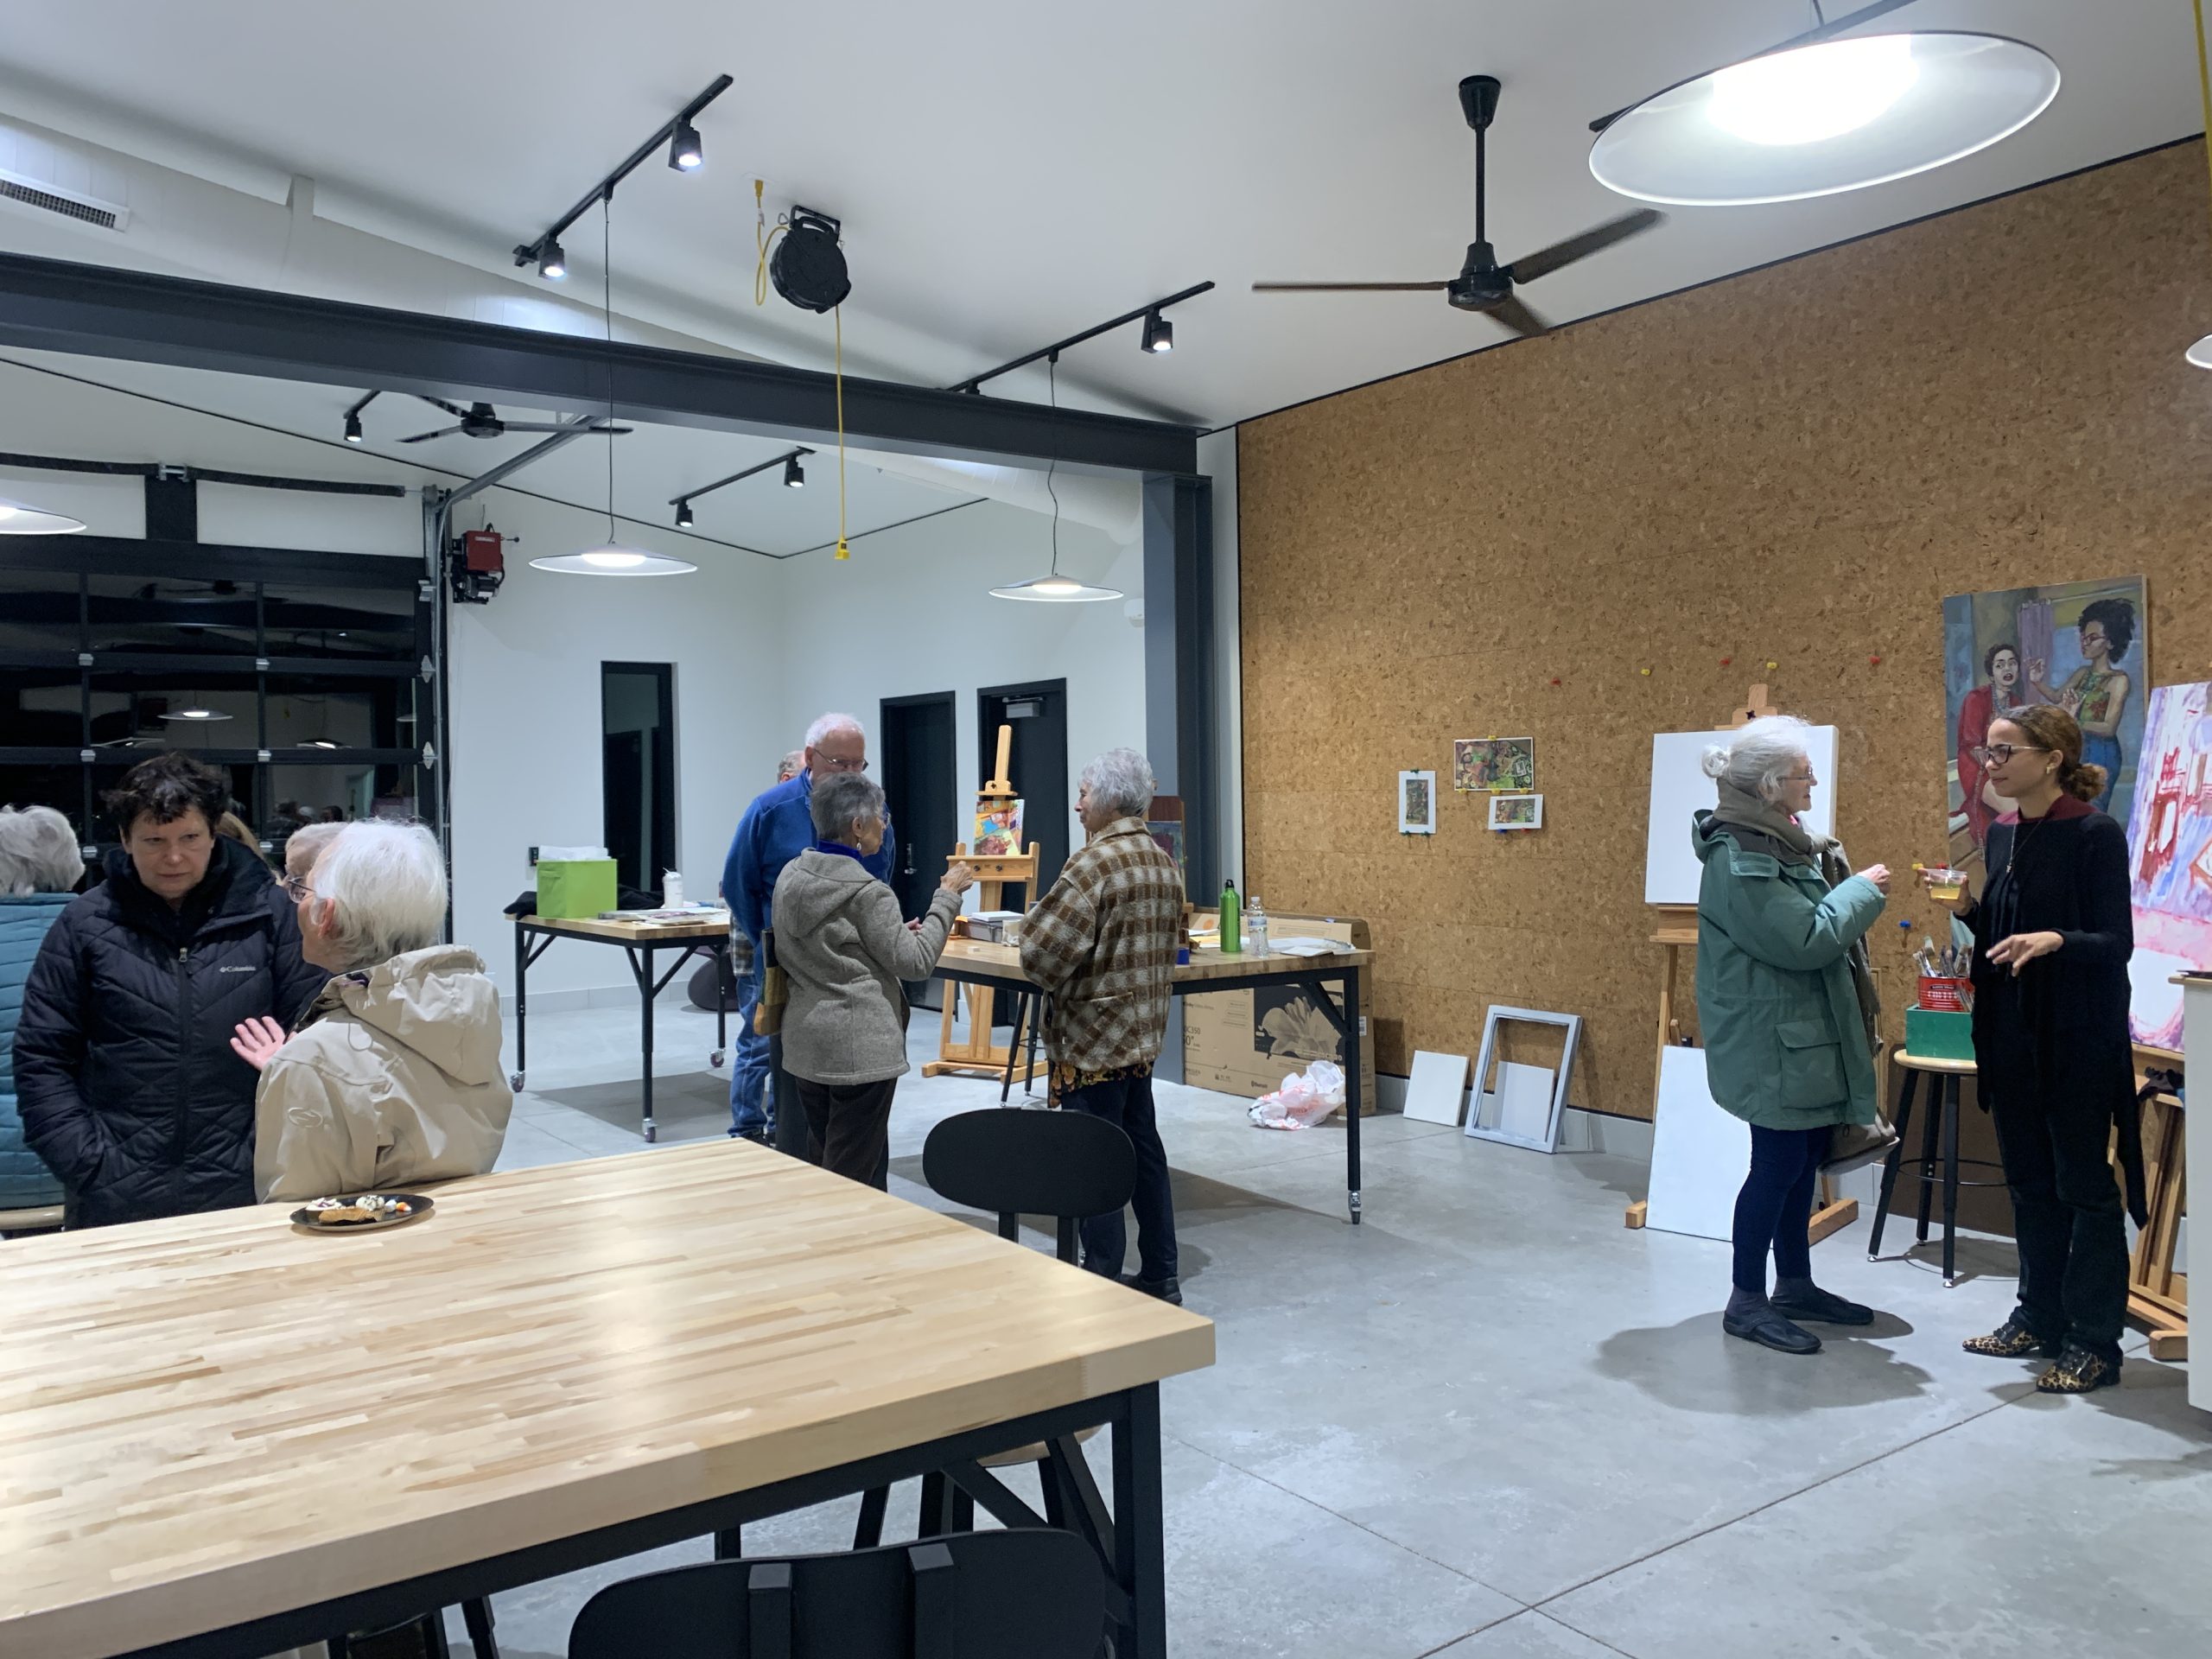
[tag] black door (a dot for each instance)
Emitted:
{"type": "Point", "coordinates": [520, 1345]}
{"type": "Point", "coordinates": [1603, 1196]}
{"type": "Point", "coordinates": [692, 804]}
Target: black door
{"type": "Point", "coordinates": [921, 793]}
{"type": "Point", "coordinates": [1038, 771]}
{"type": "Point", "coordinates": [637, 703]}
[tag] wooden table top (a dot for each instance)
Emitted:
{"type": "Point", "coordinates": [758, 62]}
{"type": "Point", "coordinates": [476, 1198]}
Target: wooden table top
{"type": "Point", "coordinates": [213, 1418]}
{"type": "Point", "coordinates": [1918, 1063]}
{"type": "Point", "coordinates": [712, 924]}
{"type": "Point", "coordinates": [1004, 962]}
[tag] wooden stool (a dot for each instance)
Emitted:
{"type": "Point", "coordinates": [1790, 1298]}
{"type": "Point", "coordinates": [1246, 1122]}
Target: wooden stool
{"type": "Point", "coordinates": [1943, 1122]}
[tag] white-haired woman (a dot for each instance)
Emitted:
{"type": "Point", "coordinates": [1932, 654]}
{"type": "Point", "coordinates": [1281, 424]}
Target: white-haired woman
{"type": "Point", "coordinates": [392, 1077]}
{"type": "Point", "coordinates": [844, 947]}
{"type": "Point", "coordinates": [1785, 998]}
{"type": "Point", "coordinates": [39, 864]}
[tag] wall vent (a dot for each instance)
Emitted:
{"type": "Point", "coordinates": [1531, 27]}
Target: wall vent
{"type": "Point", "coordinates": [86, 210]}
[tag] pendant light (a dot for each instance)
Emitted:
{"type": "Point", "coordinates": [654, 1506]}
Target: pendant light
{"type": "Point", "coordinates": [1053, 589]}
{"type": "Point", "coordinates": [1823, 115]}
{"type": "Point", "coordinates": [20, 518]}
{"type": "Point", "coordinates": [610, 557]}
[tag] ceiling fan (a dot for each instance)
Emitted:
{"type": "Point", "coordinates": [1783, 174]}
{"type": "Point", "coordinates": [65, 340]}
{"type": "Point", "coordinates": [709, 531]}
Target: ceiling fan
{"type": "Point", "coordinates": [480, 421]}
{"type": "Point", "coordinates": [1483, 284]}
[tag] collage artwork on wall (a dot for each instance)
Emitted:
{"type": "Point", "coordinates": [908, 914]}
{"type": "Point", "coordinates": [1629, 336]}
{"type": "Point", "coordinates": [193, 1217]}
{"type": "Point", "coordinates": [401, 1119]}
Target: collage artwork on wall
{"type": "Point", "coordinates": [1506, 765]}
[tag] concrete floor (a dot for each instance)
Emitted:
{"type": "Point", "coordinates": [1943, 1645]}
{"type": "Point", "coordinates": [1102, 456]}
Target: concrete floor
{"type": "Point", "coordinates": [1490, 1423]}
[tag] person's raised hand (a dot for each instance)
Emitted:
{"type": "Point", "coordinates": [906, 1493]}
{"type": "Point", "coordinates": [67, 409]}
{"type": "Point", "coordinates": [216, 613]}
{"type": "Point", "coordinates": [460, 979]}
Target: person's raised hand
{"type": "Point", "coordinates": [958, 879]}
{"type": "Point", "coordinates": [1880, 875]}
{"type": "Point", "coordinates": [1957, 906]}
{"type": "Point", "coordinates": [2017, 951]}
{"type": "Point", "coordinates": [256, 1041]}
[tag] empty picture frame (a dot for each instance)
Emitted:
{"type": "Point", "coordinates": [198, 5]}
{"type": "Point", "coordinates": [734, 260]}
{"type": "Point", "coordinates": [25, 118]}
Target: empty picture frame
{"type": "Point", "coordinates": [1516, 811]}
{"type": "Point", "coordinates": [1416, 803]}
{"type": "Point", "coordinates": [1548, 1140]}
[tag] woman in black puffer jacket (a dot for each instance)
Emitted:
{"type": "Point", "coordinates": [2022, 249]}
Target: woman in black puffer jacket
{"type": "Point", "coordinates": [129, 1087]}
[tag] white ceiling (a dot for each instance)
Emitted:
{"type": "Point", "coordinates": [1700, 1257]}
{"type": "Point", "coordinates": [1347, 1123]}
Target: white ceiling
{"type": "Point", "coordinates": [1008, 172]}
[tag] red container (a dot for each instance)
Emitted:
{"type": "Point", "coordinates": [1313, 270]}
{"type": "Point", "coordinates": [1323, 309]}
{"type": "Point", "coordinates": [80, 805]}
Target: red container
{"type": "Point", "coordinates": [1945, 995]}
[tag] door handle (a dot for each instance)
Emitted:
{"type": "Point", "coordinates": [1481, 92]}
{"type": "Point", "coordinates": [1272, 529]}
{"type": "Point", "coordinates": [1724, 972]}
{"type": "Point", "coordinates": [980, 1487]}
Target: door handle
{"type": "Point", "coordinates": [909, 870]}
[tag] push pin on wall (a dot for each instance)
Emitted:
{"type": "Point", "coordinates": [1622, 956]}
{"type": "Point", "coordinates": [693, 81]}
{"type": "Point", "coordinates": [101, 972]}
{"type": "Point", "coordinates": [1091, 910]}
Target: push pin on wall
{"type": "Point", "coordinates": [1725, 661]}
{"type": "Point", "coordinates": [1874, 662]}
{"type": "Point", "coordinates": [1647, 673]}
{"type": "Point", "coordinates": [1770, 663]}
{"type": "Point", "coordinates": [1554, 679]}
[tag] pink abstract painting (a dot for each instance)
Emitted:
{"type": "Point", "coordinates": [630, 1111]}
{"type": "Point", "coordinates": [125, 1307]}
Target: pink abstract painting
{"type": "Point", "coordinates": [2170, 857]}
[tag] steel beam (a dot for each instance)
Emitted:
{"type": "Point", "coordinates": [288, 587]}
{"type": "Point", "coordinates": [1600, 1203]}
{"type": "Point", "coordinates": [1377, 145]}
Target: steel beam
{"type": "Point", "coordinates": [94, 311]}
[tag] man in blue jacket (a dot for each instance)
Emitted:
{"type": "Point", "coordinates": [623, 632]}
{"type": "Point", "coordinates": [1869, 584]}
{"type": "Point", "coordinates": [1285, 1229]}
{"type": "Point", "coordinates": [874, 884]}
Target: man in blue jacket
{"type": "Point", "coordinates": [776, 829]}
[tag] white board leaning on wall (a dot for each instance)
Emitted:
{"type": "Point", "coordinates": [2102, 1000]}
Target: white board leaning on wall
{"type": "Point", "coordinates": [1679, 787]}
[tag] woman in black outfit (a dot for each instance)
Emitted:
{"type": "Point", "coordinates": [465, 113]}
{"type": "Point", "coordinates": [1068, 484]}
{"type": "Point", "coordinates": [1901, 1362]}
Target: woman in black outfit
{"type": "Point", "coordinates": [2053, 934]}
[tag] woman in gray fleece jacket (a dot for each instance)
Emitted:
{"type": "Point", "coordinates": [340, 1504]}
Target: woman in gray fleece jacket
{"type": "Point", "coordinates": [844, 949]}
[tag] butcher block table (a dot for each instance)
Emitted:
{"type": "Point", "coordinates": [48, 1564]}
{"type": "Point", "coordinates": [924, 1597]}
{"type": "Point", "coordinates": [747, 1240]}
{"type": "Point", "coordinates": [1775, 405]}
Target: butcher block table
{"type": "Point", "coordinates": [222, 1435]}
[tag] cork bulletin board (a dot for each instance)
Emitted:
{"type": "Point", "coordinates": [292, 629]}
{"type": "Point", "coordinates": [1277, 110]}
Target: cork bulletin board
{"type": "Point", "coordinates": [1794, 466]}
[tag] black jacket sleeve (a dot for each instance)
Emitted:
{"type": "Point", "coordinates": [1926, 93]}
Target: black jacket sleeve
{"type": "Point", "coordinates": [58, 1123]}
{"type": "Point", "coordinates": [298, 981]}
{"type": "Point", "coordinates": [2107, 935]}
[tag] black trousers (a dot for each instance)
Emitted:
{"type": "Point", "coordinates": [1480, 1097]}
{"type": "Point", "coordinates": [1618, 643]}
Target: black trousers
{"type": "Point", "coordinates": [1126, 1102]}
{"type": "Point", "coordinates": [2069, 1220]}
{"type": "Point", "coordinates": [848, 1127]}
{"type": "Point", "coordinates": [1775, 1208]}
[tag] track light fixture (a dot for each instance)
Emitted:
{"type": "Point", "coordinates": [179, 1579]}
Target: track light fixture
{"type": "Point", "coordinates": [794, 475]}
{"type": "Point", "coordinates": [352, 428]}
{"type": "Point", "coordinates": [794, 478]}
{"type": "Point", "coordinates": [1159, 333]}
{"type": "Point", "coordinates": [685, 152]}
{"type": "Point", "coordinates": [683, 515]}
{"type": "Point", "coordinates": [1158, 337]}
{"type": "Point", "coordinates": [354, 415]}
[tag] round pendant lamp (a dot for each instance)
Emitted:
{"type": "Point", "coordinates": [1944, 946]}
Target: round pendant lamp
{"type": "Point", "coordinates": [20, 518]}
{"type": "Point", "coordinates": [1821, 119]}
{"type": "Point", "coordinates": [1053, 588]}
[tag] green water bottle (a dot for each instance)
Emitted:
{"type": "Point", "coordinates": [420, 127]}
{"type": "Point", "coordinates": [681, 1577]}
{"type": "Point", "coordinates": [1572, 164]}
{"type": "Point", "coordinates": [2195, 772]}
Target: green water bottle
{"type": "Point", "coordinates": [1232, 933]}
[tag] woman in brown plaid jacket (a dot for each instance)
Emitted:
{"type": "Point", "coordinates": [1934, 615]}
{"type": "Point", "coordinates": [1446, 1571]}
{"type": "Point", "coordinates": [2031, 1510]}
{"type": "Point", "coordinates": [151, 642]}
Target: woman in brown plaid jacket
{"type": "Point", "coordinates": [1102, 944]}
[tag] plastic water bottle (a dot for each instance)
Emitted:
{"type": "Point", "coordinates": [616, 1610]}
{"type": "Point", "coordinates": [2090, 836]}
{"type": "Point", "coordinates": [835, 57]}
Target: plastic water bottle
{"type": "Point", "coordinates": [671, 889]}
{"type": "Point", "coordinates": [1232, 938]}
{"type": "Point", "coordinates": [1256, 927]}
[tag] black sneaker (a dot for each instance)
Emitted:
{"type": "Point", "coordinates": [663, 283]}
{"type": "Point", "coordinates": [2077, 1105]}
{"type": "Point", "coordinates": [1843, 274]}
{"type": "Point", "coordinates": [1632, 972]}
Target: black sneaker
{"type": "Point", "coordinates": [1766, 1326]}
{"type": "Point", "coordinates": [1169, 1289]}
{"type": "Point", "coordinates": [1820, 1306]}
{"type": "Point", "coordinates": [2011, 1340]}
{"type": "Point", "coordinates": [2078, 1371]}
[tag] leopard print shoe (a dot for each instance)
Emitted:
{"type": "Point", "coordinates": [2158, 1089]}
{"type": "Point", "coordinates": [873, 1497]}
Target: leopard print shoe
{"type": "Point", "coordinates": [2078, 1371]}
{"type": "Point", "coordinates": [2011, 1340]}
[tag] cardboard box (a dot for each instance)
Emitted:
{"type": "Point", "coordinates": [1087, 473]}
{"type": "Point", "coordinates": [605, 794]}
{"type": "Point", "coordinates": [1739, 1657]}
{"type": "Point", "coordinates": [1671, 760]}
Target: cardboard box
{"type": "Point", "coordinates": [1244, 1043]}
{"type": "Point", "coordinates": [574, 889]}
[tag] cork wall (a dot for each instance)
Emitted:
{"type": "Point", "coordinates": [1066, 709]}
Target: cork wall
{"type": "Point", "coordinates": [1795, 465]}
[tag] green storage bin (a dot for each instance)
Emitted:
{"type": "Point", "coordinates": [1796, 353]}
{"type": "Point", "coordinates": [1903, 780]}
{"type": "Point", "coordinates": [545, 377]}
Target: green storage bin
{"type": "Point", "coordinates": [1935, 1034]}
{"type": "Point", "coordinates": [574, 889]}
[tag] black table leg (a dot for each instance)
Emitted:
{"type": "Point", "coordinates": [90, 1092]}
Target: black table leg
{"type": "Point", "coordinates": [1889, 1164]}
{"type": "Point", "coordinates": [1949, 1092]}
{"type": "Point", "coordinates": [1014, 1048]}
{"type": "Point", "coordinates": [1930, 1142]}
{"type": "Point", "coordinates": [1139, 1526]}
{"type": "Point", "coordinates": [642, 971]}
{"type": "Point", "coordinates": [1354, 1087]}
{"type": "Point", "coordinates": [725, 982]}
{"type": "Point", "coordinates": [729, 1544]}
{"type": "Point", "coordinates": [522, 1007]}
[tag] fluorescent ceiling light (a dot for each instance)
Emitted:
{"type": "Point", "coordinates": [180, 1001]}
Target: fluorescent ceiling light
{"type": "Point", "coordinates": [20, 518]}
{"type": "Point", "coordinates": [1056, 590]}
{"type": "Point", "coordinates": [1817, 120]}
{"type": "Point", "coordinates": [615, 562]}
{"type": "Point", "coordinates": [197, 713]}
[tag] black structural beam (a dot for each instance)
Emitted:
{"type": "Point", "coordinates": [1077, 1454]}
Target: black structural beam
{"type": "Point", "coordinates": [56, 305]}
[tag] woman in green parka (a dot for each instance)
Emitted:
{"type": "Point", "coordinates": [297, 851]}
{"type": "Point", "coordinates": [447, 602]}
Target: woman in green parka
{"type": "Point", "coordinates": [1785, 998]}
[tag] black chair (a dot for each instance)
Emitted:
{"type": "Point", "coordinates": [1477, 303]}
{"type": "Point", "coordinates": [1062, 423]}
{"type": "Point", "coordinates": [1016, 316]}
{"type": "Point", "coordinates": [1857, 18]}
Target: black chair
{"type": "Point", "coordinates": [1016, 1162]}
{"type": "Point", "coordinates": [1020, 1593]}
{"type": "Point", "coordinates": [421, 1638]}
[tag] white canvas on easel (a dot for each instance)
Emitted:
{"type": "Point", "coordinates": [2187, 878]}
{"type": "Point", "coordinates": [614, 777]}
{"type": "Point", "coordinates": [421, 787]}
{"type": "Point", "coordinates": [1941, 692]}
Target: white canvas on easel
{"type": "Point", "coordinates": [1437, 1091]}
{"type": "Point", "coordinates": [1679, 787]}
{"type": "Point", "coordinates": [1699, 1152]}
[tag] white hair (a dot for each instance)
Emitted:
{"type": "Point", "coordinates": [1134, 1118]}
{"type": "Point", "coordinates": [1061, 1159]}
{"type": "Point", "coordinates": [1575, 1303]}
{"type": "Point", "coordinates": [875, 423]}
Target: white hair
{"type": "Point", "coordinates": [38, 852]}
{"type": "Point", "coordinates": [841, 800]}
{"type": "Point", "coordinates": [792, 765]}
{"type": "Point", "coordinates": [305, 844]}
{"type": "Point", "coordinates": [830, 723]}
{"type": "Point", "coordinates": [1121, 779]}
{"type": "Point", "coordinates": [385, 884]}
{"type": "Point", "coordinates": [1764, 752]}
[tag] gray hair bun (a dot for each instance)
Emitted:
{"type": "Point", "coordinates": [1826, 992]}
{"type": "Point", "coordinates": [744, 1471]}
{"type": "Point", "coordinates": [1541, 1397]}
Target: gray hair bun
{"type": "Point", "coordinates": [1717, 757]}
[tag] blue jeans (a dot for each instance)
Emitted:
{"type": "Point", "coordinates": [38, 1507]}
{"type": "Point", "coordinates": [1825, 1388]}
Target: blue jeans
{"type": "Point", "coordinates": [1126, 1103]}
{"type": "Point", "coordinates": [748, 1066]}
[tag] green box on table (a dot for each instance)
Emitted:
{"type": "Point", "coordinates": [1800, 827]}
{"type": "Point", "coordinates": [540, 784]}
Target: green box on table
{"type": "Point", "coordinates": [574, 889]}
{"type": "Point", "coordinates": [1938, 1034]}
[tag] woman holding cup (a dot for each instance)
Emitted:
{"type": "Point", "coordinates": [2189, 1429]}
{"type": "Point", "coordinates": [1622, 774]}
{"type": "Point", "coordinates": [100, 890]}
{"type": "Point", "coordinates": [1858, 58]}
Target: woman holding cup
{"type": "Point", "coordinates": [2052, 937]}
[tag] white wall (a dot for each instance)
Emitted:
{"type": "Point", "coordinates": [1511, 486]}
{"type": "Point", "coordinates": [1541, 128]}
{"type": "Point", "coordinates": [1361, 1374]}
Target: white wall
{"type": "Point", "coordinates": [911, 612]}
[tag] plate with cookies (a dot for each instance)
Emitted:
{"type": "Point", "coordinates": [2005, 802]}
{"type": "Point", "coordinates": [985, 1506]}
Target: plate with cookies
{"type": "Point", "coordinates": [363, 1213]}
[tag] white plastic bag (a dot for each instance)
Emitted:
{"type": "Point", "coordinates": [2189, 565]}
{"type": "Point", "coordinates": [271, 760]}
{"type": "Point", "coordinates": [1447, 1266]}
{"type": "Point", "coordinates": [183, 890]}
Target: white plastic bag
{"type": "Point", "coordinates": [1303, 1101]}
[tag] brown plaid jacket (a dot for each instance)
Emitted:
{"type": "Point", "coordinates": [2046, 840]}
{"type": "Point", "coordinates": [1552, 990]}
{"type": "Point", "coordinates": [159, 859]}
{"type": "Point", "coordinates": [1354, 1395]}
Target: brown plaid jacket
{"type": "Point", "coordinates": [1103, 944]}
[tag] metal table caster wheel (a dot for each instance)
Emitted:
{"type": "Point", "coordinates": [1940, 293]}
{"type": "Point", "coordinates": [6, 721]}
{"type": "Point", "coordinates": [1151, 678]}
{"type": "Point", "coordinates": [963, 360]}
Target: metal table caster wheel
{"type": "Point", "coordinates": [514, 1080]}
{"type": "Point", "coordinates": [717, 1059]}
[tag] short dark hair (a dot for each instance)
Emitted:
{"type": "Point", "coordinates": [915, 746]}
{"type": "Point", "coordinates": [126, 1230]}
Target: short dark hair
{"type": "Point", "coordinates": [166, 787]}
{"type": "Point", "coordinates": [1989, 658]}
{"type": "Point", "coordinates": [2118, 616]}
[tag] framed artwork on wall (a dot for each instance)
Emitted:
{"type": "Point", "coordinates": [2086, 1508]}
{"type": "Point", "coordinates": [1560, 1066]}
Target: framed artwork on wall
{"type": "Point", "coordinates": [2170, 859]}
{"type": "Point", "coordinates": [1494, 762]}
{"type": "Point", "coordinates": [1516, 811]}
{"type": "Point", "coordinates": [1416, 803]}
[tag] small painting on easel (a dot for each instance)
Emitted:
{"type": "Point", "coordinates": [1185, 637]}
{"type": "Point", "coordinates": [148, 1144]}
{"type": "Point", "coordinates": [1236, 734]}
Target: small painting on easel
{"type": "Point", "coordinates": [998, 830]}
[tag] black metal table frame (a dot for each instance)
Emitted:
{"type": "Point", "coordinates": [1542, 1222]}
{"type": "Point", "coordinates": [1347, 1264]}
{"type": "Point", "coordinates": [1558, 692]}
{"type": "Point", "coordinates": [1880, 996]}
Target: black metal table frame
{"type": "Point", "coordinates": [1131, 1544]}
{"type": "Point", "coordinates": [640, 954]}
{"type": "Point", "coordinates": [1315, 980]}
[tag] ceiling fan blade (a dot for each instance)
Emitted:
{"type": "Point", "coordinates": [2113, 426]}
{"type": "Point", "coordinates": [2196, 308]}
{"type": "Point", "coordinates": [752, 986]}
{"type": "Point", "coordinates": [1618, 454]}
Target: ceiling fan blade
{"type": "Point", "coordinates": [1350, 287]}
{"type": "Point", "coordinates": [454, 410]}
{"type": "Point", "coordinates": [542, 426]}
{"type": "Point", "coordinates": [1518, 317]}
{"type": "Point", "coordinates": [1545, 261]}
{"type": "Point", "coordinates": [424, 437]}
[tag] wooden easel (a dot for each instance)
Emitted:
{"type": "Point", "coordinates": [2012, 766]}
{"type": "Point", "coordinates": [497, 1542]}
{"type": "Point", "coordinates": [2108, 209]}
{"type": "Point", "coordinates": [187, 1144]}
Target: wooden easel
{"type": "Point", "coordinates": [979, 1057]}
{"type": "Point", "coordinates": [2158, 1296]}
{"type": "Point", "coordinates": [1677, 929]}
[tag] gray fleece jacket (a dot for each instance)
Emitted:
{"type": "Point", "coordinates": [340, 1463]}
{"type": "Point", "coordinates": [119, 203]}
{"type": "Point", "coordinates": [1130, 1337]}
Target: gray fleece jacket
{"type": "Point", "coordinates": [844, 948]}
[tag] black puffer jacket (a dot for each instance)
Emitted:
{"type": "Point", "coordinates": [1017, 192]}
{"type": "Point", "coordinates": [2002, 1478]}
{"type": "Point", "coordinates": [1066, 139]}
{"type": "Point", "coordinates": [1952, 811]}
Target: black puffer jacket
{"type": "Point", "coordinates": [129, 1087]}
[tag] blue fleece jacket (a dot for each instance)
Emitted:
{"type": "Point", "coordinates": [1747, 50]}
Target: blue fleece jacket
{"type": "Point", "coordinates": [776, 829]}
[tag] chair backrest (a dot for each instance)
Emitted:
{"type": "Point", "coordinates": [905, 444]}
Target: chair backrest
{"type": "Point", "coordinates": [1015, 1161]}
{"type": "Point", "coordinates": [1017, 1594]}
